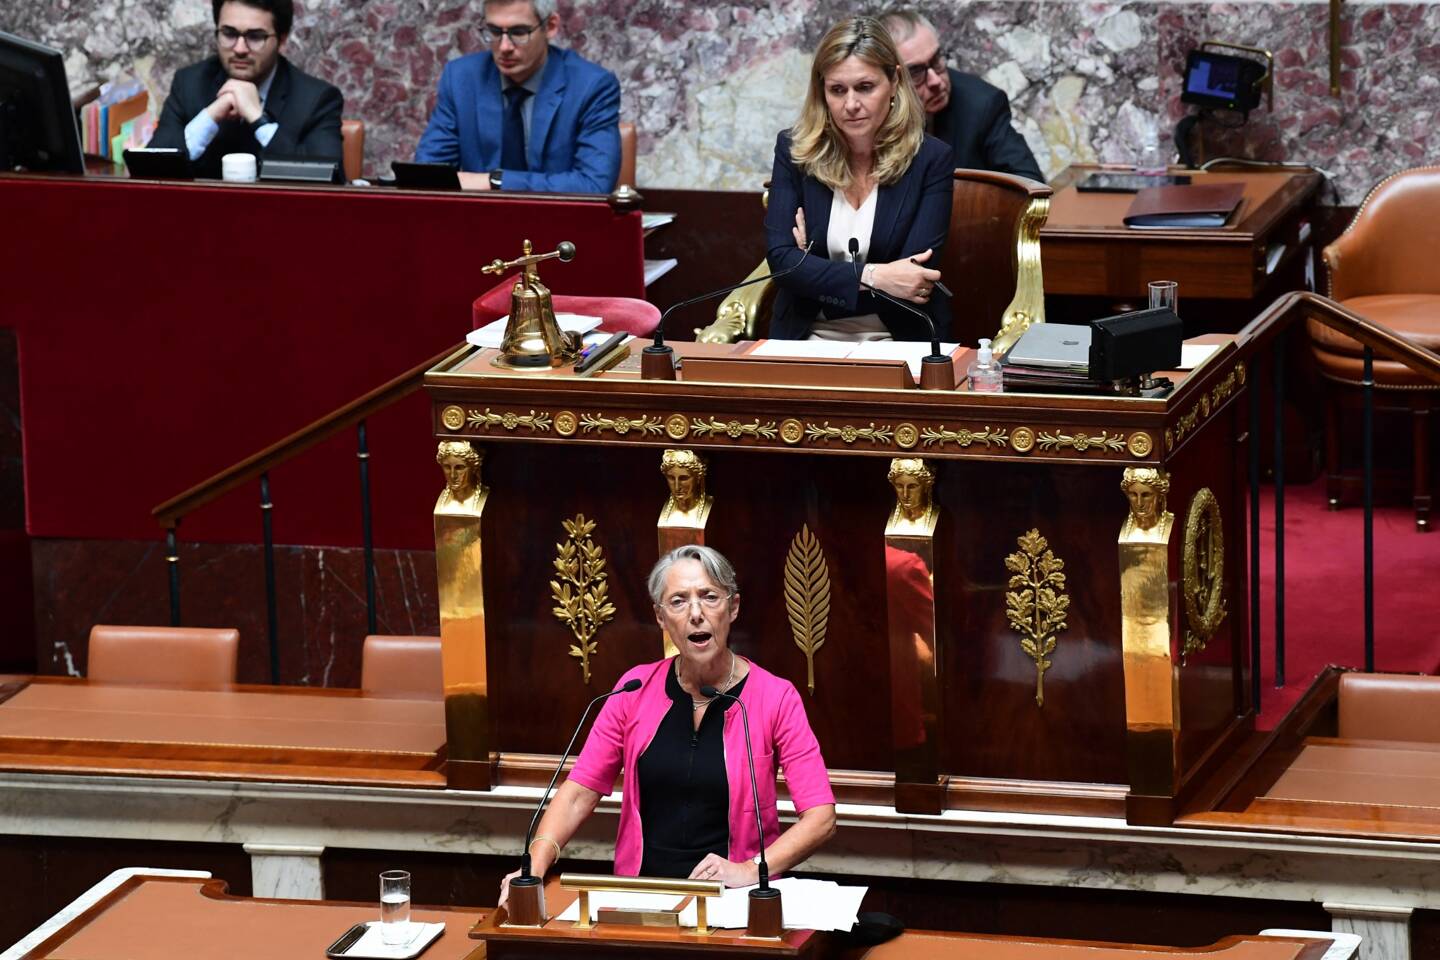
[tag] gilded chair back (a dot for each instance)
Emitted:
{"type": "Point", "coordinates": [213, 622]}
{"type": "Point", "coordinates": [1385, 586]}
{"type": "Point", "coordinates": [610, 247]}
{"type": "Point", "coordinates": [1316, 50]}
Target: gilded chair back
{"type": "Point", "coordinates": [991, 260]}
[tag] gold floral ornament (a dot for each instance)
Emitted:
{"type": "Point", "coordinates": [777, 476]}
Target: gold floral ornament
{"type": "Point", "coordinates": [1035, 603]}
{"type": "Point", "coordinates": [581, 591]}
{"type": "Point", "coordinates": [807, 597]}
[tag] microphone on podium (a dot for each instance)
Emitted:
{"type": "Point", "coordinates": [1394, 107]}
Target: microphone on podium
{"type": "Point", "coordinates": [765, 913]}
{"type": "Point", "coordinates": [657, 361]}
{"type": "Point", "coordinates": [526, 907]}
{"type": "Point", "coordinates": [937, 371]}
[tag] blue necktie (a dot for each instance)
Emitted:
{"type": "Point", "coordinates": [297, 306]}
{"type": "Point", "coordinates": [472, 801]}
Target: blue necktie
{"type": "Point", "coordinates": [512, 150]}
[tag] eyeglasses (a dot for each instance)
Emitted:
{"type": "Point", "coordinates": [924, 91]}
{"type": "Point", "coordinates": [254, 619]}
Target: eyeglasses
{"type": "Point", "coordinates": [518, 35]}
{"type": "Point", "coordinates": [709, 600]}
{"type": "Point", "coordinates": [254, 39]}
{"type": "Point", "coordinates": [918, 71]}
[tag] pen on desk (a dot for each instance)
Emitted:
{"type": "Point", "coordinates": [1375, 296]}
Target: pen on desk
{"type": "Point", "coordinates": [938, 285]}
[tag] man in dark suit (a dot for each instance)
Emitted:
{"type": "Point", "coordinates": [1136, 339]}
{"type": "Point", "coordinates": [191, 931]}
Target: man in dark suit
{"type": "Point", "coordinates": [966, 112]}
{"type": "Point", "coordinates": [248, 98]}
{"type": "Point", "coordinates": [525, 115]}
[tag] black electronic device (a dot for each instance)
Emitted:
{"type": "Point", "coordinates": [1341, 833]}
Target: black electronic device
{"type": "Point", "coordinates": [158, 163]}
{"type": "Point", "coordinates": [1220, 81]}
{"type": "Point", "coordinates": [426, 176]}
{"type": "Point", "coordinates": [1133, 345]}
{"type": "Point", "coordinates": [594, 355]}
{"type": "Point", "coordinates": [345, 947]}
{"type": "Point", "coordinates": [38, 131]}
{"type": "Point", "coordinates": [301, 170]}
{"type": "Point", "coordinates": [1128, 182]}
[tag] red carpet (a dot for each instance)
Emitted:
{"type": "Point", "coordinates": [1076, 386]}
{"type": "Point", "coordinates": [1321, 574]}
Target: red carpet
{"type": "Point", "coordinates": [1324, 594]}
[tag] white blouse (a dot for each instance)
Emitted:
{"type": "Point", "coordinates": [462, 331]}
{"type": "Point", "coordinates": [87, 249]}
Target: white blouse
{"type": "Point", "coordinates": [847, 222]}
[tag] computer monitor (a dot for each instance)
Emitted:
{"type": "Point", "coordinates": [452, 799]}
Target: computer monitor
{"type": "Point", "coordinates": [37, 121]}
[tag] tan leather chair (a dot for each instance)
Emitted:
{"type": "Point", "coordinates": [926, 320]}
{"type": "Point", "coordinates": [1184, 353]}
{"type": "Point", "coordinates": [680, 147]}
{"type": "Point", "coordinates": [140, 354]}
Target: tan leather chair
{"type": "Point", "coordinates": [352, 135]}
{"type": "Point", "coordinates": [174, 656]}
{"type": "Point", "coordinates": [1382, 268]}
{"type": "Point", "coordinates": [991, 262]}
{"type": "Point", "coordinates": [627, 155]}
{"type": "Point", "coordinates": [402, 666]}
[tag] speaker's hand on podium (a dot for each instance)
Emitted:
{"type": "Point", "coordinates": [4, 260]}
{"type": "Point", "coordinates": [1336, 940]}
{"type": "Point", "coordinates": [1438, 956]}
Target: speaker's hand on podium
{"type": "Point", "coordinates": [716, 867]}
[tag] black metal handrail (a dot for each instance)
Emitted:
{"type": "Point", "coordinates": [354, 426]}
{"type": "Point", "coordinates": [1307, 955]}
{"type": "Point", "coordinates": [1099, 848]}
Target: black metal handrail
{"type": "Point", "coordinates": [1266, 335]}
{"type": "Point", "coordinates": [258, 467]}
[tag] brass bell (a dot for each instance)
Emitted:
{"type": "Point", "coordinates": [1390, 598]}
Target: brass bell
{"type": "Point", "coordinates": [532, 336]}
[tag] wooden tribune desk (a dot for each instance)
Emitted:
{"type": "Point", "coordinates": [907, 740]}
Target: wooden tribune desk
{"type": "Point", "coordinates": [1128, 706]}
{"type": "Point", "coordinates": [306, 734]}
{"type": "Point", "coordinates": [153, 918]}
{"type": "Point", "coordinates": [1086, 249]}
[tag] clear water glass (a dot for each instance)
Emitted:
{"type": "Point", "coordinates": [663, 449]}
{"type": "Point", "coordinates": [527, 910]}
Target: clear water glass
{"type": "Point", "coordinates": [395, 907]}
{"type": "Point", "coordinates": [1165, 293]}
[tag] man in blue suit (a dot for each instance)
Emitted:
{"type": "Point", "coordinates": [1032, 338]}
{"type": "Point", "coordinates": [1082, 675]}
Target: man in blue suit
{"type": "Point", "coordinates": [526, 115]}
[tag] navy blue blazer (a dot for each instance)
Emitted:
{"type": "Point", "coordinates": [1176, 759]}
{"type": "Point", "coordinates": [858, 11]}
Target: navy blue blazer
{"type": "Point", "coordinates": [911, 215]}
{"type": "Point", "coordinates": [574, 141]}
{"type": "Point", "coordinates": [976, 124]}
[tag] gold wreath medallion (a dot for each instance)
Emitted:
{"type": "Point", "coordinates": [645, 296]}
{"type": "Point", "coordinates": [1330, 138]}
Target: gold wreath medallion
{"type": "Point", "coordinates": [1022, 439]}
{"type": "Point", "coordinates": [566, 423]}
{"type": "Point", "coordinates": [677, 426]}
{"type": "Point", "coordinates": [792, 431]}
{"type": "Point", "coordinates": [453, 417]}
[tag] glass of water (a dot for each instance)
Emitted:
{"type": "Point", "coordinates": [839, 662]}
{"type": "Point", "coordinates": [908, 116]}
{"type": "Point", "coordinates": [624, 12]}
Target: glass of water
{"type": "Point", "coordinates": [1165, 293]}
{"type": "Point", "coordinates": [395, 907]}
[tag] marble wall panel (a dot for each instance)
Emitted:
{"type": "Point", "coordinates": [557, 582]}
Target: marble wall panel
{"type": "Point", "coordinates": [320, 601]}
{"type": "Point", "coordinates": [709, 85]}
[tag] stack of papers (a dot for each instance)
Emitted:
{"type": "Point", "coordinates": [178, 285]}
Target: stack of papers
{"type": "Point", "coordinates": [805, 904]}
{"type": "Point", "coordinates": [911, 351]}
{"type": "Point", "coordinates": [493, 333]}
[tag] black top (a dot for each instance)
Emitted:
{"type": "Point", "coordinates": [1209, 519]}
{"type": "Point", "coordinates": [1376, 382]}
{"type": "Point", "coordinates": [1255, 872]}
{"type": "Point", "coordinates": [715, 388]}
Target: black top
{"type": "Point", "coordinates": [976, 124]}
{"type": "Point", "coordinates": [684, 789]}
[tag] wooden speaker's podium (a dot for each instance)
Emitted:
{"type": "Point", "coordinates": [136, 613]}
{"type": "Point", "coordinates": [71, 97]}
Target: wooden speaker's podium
{"type": "Point", "coordinates": [603, 940]}
{"type": "Point", "coordinates": [1016, 602]}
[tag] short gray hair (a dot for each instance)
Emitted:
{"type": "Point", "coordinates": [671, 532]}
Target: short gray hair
{"type": "Point", "coordinates": [543, 8]}
{"type": "Point", "coordinates": [902, 22]}
{"type": "Point", "coordinates": [717, 568]}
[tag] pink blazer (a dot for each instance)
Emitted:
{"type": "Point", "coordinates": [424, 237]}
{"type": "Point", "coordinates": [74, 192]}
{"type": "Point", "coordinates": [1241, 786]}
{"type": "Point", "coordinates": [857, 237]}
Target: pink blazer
{"type": "Point", "coordinates": [628, 722]}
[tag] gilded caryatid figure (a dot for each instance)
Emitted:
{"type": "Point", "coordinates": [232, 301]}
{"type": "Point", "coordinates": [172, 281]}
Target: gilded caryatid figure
{"type": "Point", "coordinates": [1146, 488]}
{"type": "Point", "coordinates": [689, 504]}
{"type": "Point", "coordinates": [915, 512]}
{"type": "Point", "coordinates": [464, 493]}
{"type": "Point", "coordinates": [461, 588]}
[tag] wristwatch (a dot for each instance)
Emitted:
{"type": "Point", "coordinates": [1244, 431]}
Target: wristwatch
{"type": "Point", "coordinates": [261, 121]}
{"type": "Point", "coordinates": [495, 178]}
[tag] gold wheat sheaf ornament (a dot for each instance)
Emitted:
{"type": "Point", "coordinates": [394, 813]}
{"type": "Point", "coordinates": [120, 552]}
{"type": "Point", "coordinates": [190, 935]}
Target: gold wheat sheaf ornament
{"type": "Point", "coordinates": [580, 590]}
{"type": "Point", "coordinates": [807, 597]}
{"type": "Point", "coordinates": [1035, 603]}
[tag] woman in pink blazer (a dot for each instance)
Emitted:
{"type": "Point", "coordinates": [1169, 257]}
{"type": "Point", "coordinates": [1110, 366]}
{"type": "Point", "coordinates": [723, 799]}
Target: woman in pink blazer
{"type": "Point", "coordinates": [687, 808]}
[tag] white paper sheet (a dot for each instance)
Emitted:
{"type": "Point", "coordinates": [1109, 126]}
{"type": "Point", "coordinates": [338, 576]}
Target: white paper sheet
{"type": "Point", "coordinates": [804, 904]}
{"type": "Point", "coordinates": [373, 945]}
{"type": "Point", "coordinates": [492, 333]}
{"type": "Point", "coordinates": [608, 900]}
{"type": "Point", "coordinates": [823, 349]}
{"type": "Point", "coordinates": [1194, 354]}
{"type": "Point", "coordinates": [910, 351]}
{"type": "Point", "coordinates": [655, 269]}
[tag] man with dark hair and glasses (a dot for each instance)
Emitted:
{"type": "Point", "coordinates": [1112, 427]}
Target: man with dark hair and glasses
{"type": "Point", "coordinates": [248, 98]}
{"type": "Point", "coordinates": [966, 112]}
{"type": "Point", "coordinates": [524, 114]}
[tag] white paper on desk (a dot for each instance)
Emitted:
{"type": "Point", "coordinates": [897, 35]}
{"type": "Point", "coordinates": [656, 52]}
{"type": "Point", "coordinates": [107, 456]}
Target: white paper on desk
{"type": "Point", "coordinates": [818, 349]}
{"type": "Point", "coordinates": [373, 945]}
{"type": "Point", "coordinates": [804, 904]}
{"type": "Point", "coordinates": [1194, 354]}
{"type": "Point", "coordinates": [911, 351]}
{"type": "Point", "coordinates": [493, 333]}
{"type": "Point", "coordinates": [655, 269]}
{"type": "Point", "coordinates": [649, 221]}
{"type": "Point", "coordinates": [612, 900]}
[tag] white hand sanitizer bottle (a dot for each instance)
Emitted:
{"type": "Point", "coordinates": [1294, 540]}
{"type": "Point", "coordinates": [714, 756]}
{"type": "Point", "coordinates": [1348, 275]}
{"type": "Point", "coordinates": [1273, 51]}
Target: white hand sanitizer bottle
{"type": "Point", "coordinates": [984, 372]}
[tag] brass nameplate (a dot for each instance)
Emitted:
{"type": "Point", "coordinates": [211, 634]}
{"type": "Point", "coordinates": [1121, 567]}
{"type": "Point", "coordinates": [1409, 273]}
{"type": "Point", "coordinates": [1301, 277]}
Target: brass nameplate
{"type": "Point", "coordinates": [639, 918]}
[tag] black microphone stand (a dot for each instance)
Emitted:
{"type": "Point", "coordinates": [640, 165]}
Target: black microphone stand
{"type": "Point", "coordinates": [526, 906]}
{"type": "Point", "coordinates": [937, 371]}
{"type": "Point", "coordinates": [766, 917]}
{"type": "Point", "coordinates": [657, 361]}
